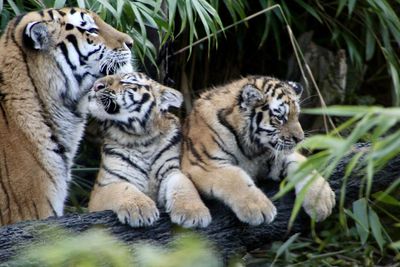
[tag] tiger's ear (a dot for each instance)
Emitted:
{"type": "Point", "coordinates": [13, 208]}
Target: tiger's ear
{"type": "Point", "coordinates": [37, 36]}
{"type": "Point", "coordinates": [170, 98]}
{"type": "Point", "coordinates": [250, 95]}
{"type": "Point", "coordinates": [297, 88]}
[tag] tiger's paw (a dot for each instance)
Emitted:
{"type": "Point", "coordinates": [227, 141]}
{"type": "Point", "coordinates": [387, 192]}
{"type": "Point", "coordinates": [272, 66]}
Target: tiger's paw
{"type": "Point", "coordinates": [319, 200]}
{"type": "Point", "coordinates": [190, 213]}
{"type": "Point", "coordinates": [137, 211]}
{"type": "Point", "coordinates": [254, 207]}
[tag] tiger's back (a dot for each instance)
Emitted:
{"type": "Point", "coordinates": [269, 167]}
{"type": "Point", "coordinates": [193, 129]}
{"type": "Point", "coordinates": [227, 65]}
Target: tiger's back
{"type": "Point", "coordinates": [48, 60]}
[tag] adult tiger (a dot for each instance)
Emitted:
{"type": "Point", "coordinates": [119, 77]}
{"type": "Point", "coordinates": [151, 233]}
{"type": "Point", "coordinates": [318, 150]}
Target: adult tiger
{"type": "Point", "coordinates": [243, 131]}
{"type": "Point", "coordinates": [48, 60]}
{"type": "Point", "coordinates": [140, 153]}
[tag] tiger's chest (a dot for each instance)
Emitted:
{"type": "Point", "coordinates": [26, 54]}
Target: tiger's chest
{"type": "Point", "coordinates": [262, 167]}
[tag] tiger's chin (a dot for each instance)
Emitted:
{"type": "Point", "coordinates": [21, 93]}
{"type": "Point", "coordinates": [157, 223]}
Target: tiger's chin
{"type": "Point", "coordinates": [116, 63]}
{"type": "Point", "coordinates": [280, 148]}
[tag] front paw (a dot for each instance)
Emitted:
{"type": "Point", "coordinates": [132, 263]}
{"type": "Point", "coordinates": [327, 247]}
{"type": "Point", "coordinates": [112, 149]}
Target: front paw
{"type": "Point", "coordinates": [137, 211]}
{"type": "Point", "coordinates": [253, 207]}
{"type": "Point", "coordinates": [319, 199]}
{"type": "Point", "coordinates": [190, 213]}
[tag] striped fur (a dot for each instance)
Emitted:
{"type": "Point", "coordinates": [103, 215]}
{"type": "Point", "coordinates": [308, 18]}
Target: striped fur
{"type": "Point", "coordinates": [140, 154]}
{"type": "Point", "coordinates": [48, 61]}
{"type": "Point", "coordinates": [243, 131]}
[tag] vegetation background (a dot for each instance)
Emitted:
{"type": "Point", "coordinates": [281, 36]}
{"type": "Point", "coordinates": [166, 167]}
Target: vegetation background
{"type": "Point", "coordinates": [345, 52]}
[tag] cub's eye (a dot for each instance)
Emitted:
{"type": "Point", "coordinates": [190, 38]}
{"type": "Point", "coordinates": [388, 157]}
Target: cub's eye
{"type": "Point", "coordinates": [93, 30]}
{"type": "Point", "coordinates": [280, 117]}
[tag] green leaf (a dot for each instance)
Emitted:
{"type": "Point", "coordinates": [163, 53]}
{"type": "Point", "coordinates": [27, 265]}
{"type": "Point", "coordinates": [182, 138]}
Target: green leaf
{"type": "Point", "coordinates": [14, 7]}
{"type": "Point", "coordinates": [81, 3]}
{"type": "Point", "coordinates": [341, 5]}
{"type": "Point", "coordinates": [370, 174]}
{"type": "Point", "coordinates": [59, 3]}
{"type": "Point", "coordinates": [310, 9]}
{"type": "Point", "coordinates": [369, 45]}
{"type": "Point", "coordinates": [347, 111]}
{"type": "Point", "coordinates": [376, 228]}
{"type": "Point", "coordinates": [395, 245]}
{"type": "Point", "coordinates": [386, 198]}
{"type": "Point", "coordinates": [361, 217]}
{"type": "Point", "coordinates": [109, 7]}
{"type": "Point", "coordinates": [172, 4]}
{"type": "Point", "coordinates": [396, 82]}
{"type": "Point", "coordinates": [285, 246]}
{"type": "Point", "coordinates": [351, 5]}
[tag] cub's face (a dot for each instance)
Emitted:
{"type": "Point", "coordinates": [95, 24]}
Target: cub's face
{"type": "Point", "coordinates": [272, 110]}
{"type": "Point", "coordinates": [131, 99]}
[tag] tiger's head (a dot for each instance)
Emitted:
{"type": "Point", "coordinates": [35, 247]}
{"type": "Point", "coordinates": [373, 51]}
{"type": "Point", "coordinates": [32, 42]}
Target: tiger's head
{"type": "Point", "coordinates": [74, 43]}
{"type": "Point", "coordinates": [271, 108]}
{"type": "Point", "coordinates": [131, 101]}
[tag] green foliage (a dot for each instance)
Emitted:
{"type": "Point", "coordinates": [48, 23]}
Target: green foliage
{"type": "Point", "coordinates": [97, 248]}
{"type": "Point", "coordinates": [367, 28]}
{"type": "Point", "coordinates": [378, 127]}
{"type": "Point", "coordinates": [370, 31]}
{"type": "Point", "coordinates": [136, 18]}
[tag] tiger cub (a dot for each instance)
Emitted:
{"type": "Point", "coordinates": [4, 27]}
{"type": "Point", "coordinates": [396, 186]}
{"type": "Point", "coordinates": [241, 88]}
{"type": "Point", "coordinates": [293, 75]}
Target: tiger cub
{"type": "Point", "coordinates": [242, 131]}
{"type": "Point", "coordinates": [140, 153]}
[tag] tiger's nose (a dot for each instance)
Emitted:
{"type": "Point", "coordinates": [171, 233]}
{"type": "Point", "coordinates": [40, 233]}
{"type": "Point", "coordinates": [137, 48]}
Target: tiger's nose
{"type": "Point", "coordinates": [129, 44]}
{"type": "Point", "coordinates": [298, 137]}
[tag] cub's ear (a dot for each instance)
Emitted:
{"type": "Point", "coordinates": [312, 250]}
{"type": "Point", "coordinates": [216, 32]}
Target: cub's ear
{"type": "Point", "coordinates": [250, 95]}
{"type": "Point", "coordinates": [37, 36]}
{"type": "Point", "coordinates": [297, 87]}
{"type": "Point", "coordinates": [170, 98]}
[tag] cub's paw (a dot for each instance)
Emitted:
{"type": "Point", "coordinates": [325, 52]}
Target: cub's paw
{"type": "Point", "coordinates": [253, 207]}
{"type": "Point", "coordinates": [319, 200]}
{"type": "Point", "coordinates": [190, 213]}
{"type": "Point", "coordinates": [138, 210]}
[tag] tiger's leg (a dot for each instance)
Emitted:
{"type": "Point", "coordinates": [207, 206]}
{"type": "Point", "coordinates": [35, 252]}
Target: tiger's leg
{"type": "Point", "coordinates": [27, 190]}
{"type": "Point", "coordinates": [182, 201]}
{"type": "Point", "coordinates": [319, 199]}
{"type": "Point", "coordinates": [126, 200]}
{"type": "Point", "coordinates": [236, 189]}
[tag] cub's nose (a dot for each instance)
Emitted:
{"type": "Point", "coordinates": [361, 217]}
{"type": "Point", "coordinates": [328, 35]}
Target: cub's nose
{"type": "Point", "coordinates": [298, 138]}
{"type": "Point", "coordinates": [98, 86]}
{"type": "Point", "coordinates": [129, 44]}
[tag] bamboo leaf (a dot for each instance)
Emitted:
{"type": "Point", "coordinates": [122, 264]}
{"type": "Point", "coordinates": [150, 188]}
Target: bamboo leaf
{"type": "Point", "coordinates": [14, 7]}
{"type": "Point", "coordinates": [376, 228]}
{"type": "Point", "coordinates": [386, 198]}
{"type": "Point", "coordinates": [59, 3]}
{"type": "Point", "coordinates": [346, 111]}
{"type": "Point", "coordinates": [81, 3]}
{"type": "Point", "coordinates": [285, 246]}
{"type": "Point", "coordinates": [351, 5]}
{"type": "Point", "coordinates": [109, 7]}
{"type": "Point", "coordinates": [361, 217]}
{"type": "Point", "coordinates": [172, 4]}
{"type": "Point", "coordinates": [341, 5]}
{"type": "Point", "coordinates": [311, 10]}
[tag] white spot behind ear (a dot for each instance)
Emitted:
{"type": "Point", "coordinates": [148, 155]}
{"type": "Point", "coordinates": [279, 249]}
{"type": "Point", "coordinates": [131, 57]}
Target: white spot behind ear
{"type": "Point", "coordinates": [37, 35]}
{"type": "Point", "coordinates": [250, 95]}
{"type": "Point", "coordinates": [170, 98]}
